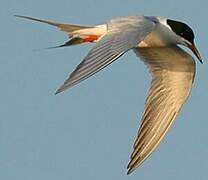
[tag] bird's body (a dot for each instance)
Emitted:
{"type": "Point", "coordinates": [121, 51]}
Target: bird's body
{"type": "Point", "coordinates": [154, 40]}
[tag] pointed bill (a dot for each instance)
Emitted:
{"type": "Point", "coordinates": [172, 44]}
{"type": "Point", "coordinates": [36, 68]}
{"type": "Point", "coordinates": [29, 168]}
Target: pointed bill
{"type": "Point", "coordinates": [195, 51]}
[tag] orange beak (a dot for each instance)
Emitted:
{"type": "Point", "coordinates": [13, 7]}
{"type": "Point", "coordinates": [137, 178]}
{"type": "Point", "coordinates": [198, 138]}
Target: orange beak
{"type": "Point", "coordinates": [195, 51]}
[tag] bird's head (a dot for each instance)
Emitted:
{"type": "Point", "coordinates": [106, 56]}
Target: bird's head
{"type": "Point", "coordinates": [186, 36]}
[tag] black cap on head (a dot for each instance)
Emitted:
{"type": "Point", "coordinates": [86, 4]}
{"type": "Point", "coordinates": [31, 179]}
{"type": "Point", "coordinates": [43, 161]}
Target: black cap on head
{"type": "Point", "coordinates": [182, 30]}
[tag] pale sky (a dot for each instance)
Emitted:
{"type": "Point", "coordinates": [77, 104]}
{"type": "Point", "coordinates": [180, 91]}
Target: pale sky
{"type": "Point", "coordinates": [88, 131]}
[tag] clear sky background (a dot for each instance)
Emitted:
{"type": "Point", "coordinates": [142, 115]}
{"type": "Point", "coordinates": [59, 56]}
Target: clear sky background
{"type": "Point", "coordinates": [88, 132]}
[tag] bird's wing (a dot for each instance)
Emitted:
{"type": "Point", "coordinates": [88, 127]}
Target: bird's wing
{"type": "Point", "coordinates": [122, 35]}
{"type": "Point", "coordinates": [173, 73]}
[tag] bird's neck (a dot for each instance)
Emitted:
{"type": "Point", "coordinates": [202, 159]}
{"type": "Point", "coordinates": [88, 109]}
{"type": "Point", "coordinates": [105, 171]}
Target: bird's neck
{"type": "Point", "coordinates": [161, 36]}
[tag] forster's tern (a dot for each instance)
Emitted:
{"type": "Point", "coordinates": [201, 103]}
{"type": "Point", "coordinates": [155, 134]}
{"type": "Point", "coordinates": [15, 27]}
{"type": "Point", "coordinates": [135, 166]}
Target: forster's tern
{"type": "Point", "coordinates": [154, 40]}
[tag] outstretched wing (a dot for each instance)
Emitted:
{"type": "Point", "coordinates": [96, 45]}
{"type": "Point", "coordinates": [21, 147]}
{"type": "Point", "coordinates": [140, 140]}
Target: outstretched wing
{"type": "Point", "coordinates": [173, 73]}
{"type": "Point", "coordinates": [122, 35]}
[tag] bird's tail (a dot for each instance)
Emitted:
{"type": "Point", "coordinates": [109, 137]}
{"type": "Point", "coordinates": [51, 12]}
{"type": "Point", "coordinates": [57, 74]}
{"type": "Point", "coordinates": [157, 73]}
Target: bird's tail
{"type": "Point", "coordinates": [78, 34]}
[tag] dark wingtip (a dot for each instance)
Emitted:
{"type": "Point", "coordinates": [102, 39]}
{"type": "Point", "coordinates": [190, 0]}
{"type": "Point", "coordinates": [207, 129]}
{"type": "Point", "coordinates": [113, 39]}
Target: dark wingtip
{"type": "Point", "coordinates": [21, 16]}
{"type": "Point", "coordinates": [15, 15]}
{"type": "Point", "coordinates": [129, 171]}
{"type": "Point", "coordinates": [61, 89]}
{"type": "Point", "coordinates": [58, 91]}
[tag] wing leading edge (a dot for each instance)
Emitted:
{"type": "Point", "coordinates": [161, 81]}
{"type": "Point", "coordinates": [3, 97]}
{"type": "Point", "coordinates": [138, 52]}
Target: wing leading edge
{"type": "Point", "coordinates": [173, 73]}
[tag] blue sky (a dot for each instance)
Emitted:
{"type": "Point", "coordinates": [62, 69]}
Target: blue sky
{"type": "Point", "coordinates": [88, 131]}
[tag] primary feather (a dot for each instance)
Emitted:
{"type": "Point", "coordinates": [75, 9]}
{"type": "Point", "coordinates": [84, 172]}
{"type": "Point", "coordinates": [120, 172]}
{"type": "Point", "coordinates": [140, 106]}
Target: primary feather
{"type": "Point", "coordinates": [122, 35]}
{"type": "Point", "coordinates": [173, 73]}
{"type": "Point", "coordinates": [172, 70]}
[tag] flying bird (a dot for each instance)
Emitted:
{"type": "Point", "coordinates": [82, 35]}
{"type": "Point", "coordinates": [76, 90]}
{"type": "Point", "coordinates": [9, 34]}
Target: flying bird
{"type": "Point", "coordinates": [155, 41]}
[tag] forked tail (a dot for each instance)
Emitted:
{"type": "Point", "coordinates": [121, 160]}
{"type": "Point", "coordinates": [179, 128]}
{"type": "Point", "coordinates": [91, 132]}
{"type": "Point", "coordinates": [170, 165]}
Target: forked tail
{"type": "Point", "coordinates": [78, 34]}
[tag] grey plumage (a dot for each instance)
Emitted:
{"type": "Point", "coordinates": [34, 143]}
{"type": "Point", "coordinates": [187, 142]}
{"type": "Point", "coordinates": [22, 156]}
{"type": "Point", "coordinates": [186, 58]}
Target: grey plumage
{"type": "Point", "coordinates": [153, 41]}
{"type": "Point", "coordinates": [173, 73]}
{"type": "Point", "coordinates": [122, 35]}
